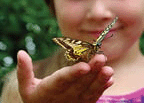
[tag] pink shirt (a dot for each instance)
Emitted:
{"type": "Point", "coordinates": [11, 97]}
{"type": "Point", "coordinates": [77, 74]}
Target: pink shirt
{"type": "Point", "coordinates": [134, 97]}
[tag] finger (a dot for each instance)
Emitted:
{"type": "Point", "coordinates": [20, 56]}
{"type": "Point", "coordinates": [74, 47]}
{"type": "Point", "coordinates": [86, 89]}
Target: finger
{"type": "Point", "coordinates": [97, 62]}
{"type": "Point", "coordinates": [103, 81]}
{"type": "Point", "coordinates": [25, 71]}
{"type": "Point", "coordinates": [84, 82]}
{"type": "Point", "coordinates": [74, 71]}
{"type": "Point", "coordinates": [65, 77]}
{"type": "Point", "coordinates": [103, 78]}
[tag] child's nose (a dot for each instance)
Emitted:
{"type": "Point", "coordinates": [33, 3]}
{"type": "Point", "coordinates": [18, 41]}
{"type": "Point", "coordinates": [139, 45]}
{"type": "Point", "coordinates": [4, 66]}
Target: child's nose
{"type": "Point", "coordinates": [99, 9]}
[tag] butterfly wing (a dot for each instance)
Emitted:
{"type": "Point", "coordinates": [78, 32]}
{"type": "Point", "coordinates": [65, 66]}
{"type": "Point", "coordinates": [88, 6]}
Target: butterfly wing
{"type": "Point", "coordinates": [62, 42]}
{"type": "Point", "coordinates": [74, 48]}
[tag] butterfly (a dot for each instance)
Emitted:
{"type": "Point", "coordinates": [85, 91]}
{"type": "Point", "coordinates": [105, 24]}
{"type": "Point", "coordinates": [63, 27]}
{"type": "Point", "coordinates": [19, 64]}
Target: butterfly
{"type": "Point", "coordinates": [77, 50]}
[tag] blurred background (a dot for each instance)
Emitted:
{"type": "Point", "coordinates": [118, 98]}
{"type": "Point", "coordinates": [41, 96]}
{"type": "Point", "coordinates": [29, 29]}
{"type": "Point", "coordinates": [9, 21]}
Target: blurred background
{"type": "Point", "coordinates": [27, 25]}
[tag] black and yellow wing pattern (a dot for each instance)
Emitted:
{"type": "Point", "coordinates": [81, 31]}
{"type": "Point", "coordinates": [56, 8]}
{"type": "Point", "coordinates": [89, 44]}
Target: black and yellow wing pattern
{"type": "Point", "coordinates": [75, 49]}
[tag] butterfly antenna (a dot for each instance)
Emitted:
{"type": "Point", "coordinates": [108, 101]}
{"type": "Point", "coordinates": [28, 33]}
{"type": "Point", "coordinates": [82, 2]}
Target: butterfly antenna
{"type": "Point", "coordinates": [105, 32]}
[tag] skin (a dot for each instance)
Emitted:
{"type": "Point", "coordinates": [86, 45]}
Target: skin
{"type": "Point", "coordinates": [82, 82]}
{"type": "Point", "coordinates": [77, 17]}
{"type": "Point", "coordinates": [86, 82]}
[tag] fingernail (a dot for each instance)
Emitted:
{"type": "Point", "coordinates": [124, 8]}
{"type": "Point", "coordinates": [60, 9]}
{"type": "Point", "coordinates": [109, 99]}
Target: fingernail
{"type": "Point", "coordinates": [105, 58]}
{"type": "Point", "coordinates": [18, 63]}
{"type": "Point", "coordinates": [18, 59]}
{"type": "Point", "coordinates": [84, 71]}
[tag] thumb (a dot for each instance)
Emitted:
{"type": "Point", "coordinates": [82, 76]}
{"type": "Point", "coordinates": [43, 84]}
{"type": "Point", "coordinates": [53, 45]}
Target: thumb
{"type": "Point", "coordinates": [25, 72]}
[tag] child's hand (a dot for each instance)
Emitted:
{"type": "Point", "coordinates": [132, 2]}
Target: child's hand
{"type": "Point", "coordinates": [80, 83]}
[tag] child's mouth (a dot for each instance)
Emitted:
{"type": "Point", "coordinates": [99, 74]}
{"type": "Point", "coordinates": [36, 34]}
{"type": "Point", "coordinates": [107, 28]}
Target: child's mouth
{"type": "Point", "coordinates": [96, 34]}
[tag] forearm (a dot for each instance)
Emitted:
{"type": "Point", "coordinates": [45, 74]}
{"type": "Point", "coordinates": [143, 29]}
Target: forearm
{"type": "Point", "coordinates": [10, 93]}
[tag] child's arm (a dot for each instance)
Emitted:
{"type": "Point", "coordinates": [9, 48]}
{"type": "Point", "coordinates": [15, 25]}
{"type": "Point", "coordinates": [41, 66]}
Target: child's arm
{"type": "Point", "coordinates": [10, 93]}
{"type": "Point", "coordinates": [80, 83]}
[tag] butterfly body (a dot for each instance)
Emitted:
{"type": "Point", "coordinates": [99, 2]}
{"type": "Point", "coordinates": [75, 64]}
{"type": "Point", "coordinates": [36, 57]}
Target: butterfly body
{"type": "Point", "coordinates": [77, 50]}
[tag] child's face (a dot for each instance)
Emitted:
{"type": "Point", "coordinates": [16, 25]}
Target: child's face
{"type": "Point", "coordinates": [85, 19]}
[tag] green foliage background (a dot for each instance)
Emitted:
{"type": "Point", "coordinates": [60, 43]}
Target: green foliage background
{"type": "Point", "coordinates": [27, 25]}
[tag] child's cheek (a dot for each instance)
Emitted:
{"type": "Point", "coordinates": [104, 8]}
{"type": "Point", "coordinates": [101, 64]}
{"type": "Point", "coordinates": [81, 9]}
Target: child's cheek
{"type": "Point", "coordinates": [130, 10]}
{"type": "Point", "coordinates": [132, 17]}
{"type": "Point", "coordinates": [70, 19]}
{"type": "Point", "coordinates": [72, 15]}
